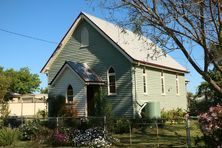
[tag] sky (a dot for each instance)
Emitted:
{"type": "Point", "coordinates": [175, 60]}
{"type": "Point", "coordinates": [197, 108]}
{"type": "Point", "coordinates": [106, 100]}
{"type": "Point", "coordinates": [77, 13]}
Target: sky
{"type": "Point", "coordinates": [31, 29]}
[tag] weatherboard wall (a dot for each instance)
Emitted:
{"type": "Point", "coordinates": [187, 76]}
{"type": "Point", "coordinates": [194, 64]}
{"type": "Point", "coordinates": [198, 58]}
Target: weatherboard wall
{"type": "Point", "coordinates": [99, 55]}
{"type": "Point", "coordinates": [61, 84]}
{"type": "Point", "coordinates": [167, 101]}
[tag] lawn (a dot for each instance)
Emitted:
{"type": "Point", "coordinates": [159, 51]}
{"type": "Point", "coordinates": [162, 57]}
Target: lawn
{"type": "Point", "coordinates": [170, 135]}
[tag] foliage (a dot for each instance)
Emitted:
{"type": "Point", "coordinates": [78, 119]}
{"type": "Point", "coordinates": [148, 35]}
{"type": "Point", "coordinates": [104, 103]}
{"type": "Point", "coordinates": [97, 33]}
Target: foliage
{"type": "Point", "coordinates": [211, 126]}
{"type": "Point", "coordinates": [12, 121]}
{"type": "Point", "coordinates": [4, 84]}
{"type": "Point", "coordinates": [44, 90]}
{"type": "Point", "coordinates": [60, 138]}
{"type": "Point", "coordinates": [29, 130]}
{"type": "Point", "coordinates": [173, 115]}
{"type": "Point", "coordinates": [121, 126]}
{"type": "Point", "coordinates": [56, 105]}
{"type": "Point", "coordinates": [206, 90]}
{"type": "Point", "coordinates": [4, 110]}
{"type": "Point", "coordinates": [42, 113]}
{"type": "Point", "coordinates": [93, 137]}
{"type": "Point", "coordinates": [22, 81]}
{"type": "Point", "coordinates": [206, 96]}
{"type": "Point", "coordinates": [8, 136]}
{"type": "Point", "coordinates": [176, 25]}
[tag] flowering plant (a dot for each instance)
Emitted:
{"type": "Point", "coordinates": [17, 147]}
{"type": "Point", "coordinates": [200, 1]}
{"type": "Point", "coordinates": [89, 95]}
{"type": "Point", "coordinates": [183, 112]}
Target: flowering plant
{"type": "Point", "coordinates": [211, 126]}
{"type": "Point", "coordinates": [61, 137]}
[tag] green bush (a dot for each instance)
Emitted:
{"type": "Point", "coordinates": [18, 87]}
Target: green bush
{"type": "Point", "coordinates": [8, 136]}
{"type": "Point", "coordinates": [56, 106]}
{"type": "Point", "coordinates": [174, 115]}
{"type": "Point", "coordinates": [121, 126]}
{"type": "Point", "coordinates": [29, 130]}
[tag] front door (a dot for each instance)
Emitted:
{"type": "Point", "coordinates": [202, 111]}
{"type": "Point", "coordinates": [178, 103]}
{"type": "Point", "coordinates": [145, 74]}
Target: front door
{"type": "Point", "coordinates": [92, 93]}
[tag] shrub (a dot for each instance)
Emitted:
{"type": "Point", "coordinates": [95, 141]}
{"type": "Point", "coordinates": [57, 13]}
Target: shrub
{"type": "Point", "coordinates": [8, 136]}
{"type": "Point", "coordinates": [174, 115]}
{"type": "Point", "coordinates": [211, 126]}
{"type": "Point", "coordinates": [42, 113]}
{"type": "Point", "coordinates": [60, 137]}
{"type": "Point", "coordinates": [29, 130]}
{"type": "Point", "coordinates": [92, 137]}
{"type": "Point", "coordinates": [56, 106]}
{"type": "Point", "coordinates": [121, 126]}
{"type": "Point", "coordinates": [12, 121]}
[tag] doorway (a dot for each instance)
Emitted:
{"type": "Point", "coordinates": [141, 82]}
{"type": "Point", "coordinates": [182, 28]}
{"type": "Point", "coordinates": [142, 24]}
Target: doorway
{"type": "Point", "coordinates": [93, 92]}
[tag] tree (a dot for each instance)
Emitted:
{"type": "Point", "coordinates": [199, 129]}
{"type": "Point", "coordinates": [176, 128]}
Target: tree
{"type": "Point", "coordinates": [182, 25]}
{"type": "Point", "coordinates": [206, 97]}
{"type": "Point", "coordinates": [22, 82]}
{"type": "Point", "coordinates": [4, 84]}
{"type": "Point", "coordinates": [44, 90]}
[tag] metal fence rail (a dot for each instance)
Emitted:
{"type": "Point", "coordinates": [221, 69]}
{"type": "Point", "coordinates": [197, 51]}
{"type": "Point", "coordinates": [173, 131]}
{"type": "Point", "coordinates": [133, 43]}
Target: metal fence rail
{"type": "Point", "coordinates": [151, 133]}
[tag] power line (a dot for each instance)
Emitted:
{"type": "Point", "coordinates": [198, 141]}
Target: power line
{"type": "Point", "coordinates": [27, 36]}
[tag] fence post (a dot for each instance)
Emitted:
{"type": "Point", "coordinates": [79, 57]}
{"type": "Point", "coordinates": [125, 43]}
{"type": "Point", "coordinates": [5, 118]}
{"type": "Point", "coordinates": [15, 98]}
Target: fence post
{"type": "Point", "coordinates": [157, 133]}
{"type": "Point", "coordinates": [130, 131]}
{"type": "Point", "coordinates": [188, 130]}
{"type": "Point", "coordinates": [57, 123]}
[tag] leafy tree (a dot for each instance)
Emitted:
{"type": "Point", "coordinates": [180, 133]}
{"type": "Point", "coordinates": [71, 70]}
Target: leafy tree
{"type": "Point", "coordinates": [184, 25]}
{"type": "Point", "coordinates": [206, 96]}
{"type": "Point", "coordinates": [22, 81]}
{"type": "Point", "coordinates": [44, 90]}
{"type": "Point", "coordinates": [4, 84]}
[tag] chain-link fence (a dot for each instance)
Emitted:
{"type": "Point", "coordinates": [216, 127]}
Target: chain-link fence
{"type": "Point", "coordinates": [129, 132]}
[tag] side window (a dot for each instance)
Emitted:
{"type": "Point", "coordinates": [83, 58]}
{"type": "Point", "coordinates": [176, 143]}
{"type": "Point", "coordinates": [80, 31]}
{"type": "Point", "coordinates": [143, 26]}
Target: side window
{"type": "Point", "coordinates": [70, 94]}
{"type": "Point", "coordinates": [162, 80]}
{"type": "Point", "coordinates": [84, 37]}
{"type": "Point", "coordinates": [111, 81]}
{"type": "Point", "coordinates": [144, 82]}
{"type": "Point", "coordinates": [177, 85]}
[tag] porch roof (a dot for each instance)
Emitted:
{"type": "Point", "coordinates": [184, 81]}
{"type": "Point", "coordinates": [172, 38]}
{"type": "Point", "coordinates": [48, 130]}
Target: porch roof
{"type": "Point", "coordinates": [83, 71]}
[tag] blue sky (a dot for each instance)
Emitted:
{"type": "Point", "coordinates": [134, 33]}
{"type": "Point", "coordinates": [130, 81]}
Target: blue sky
{"type": "Point", "coordinates": [48, 20]}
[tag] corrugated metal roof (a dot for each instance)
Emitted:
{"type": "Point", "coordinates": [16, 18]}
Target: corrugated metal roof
{"type": "Point", "coordinates": [138, 47]}
{"type": "Point", "coordinates": [84, 72]}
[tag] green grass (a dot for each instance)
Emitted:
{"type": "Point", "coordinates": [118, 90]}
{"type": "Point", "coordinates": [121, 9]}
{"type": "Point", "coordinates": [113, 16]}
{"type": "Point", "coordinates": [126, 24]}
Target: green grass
{"type": "Point", "coordinates": [170, 135]}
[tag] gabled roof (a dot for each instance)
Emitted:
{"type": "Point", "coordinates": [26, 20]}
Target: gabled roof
{"type": "Point", "coordinates": [82, 70]}
{"type": "Point", "coordinates": [135, 48]}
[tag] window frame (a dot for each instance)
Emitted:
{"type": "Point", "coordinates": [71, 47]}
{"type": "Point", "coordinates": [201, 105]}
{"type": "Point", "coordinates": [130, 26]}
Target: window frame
{"type": "Point", "coordinates": [84, 38]}
{"type": "Point", "coordinates": [162, 83]}
{"type": "Point", "coordinates": [144, 77]}
{"type": "Point", "coordinates": [68, 95]}
{"type": "Point", "coordinates": [108, 81]}
{"type": "Point", "coordinates": [177, 85]}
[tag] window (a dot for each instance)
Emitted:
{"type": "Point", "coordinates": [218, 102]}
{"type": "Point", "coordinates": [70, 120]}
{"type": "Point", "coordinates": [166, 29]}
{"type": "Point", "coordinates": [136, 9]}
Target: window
{"type": "Point", "coordinates": [177, 84]}
{"type": "Point", "coordinates": [69, 94]}
{"type": "Point", "coordinates": [162, 83]}
{"type": "Point", "coordinates": [111, 81]}
{"type": "Point", "coordinates": [84, 37]}
{"type": "Point", "coordinates": [144, 82]}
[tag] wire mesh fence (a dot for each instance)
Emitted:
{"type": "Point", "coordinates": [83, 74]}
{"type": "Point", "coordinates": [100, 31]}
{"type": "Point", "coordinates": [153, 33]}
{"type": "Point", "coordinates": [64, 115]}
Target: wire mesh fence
{"type": "Point", "coordinates": [128, 132]}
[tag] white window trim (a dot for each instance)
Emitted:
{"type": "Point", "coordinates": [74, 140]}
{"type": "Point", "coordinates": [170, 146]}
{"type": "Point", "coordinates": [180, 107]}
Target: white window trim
{"type": "Point", "coordinates": [111, 74]}
{"type": "Point", "coordinates": [177, 85]}
{"type": "Point", "coordinates": [162, 77]}
{"type": "Point", "coordinates": [145, 76]}
{"type": "Point", "coordinates": [67, 94]}
{"type": "Point", "coordinates": [84, 34]}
